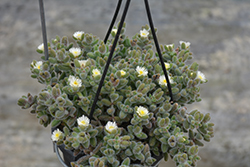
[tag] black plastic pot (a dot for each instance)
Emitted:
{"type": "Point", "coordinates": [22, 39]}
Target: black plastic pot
{"type": "Point", "coordinates": [68, 156]}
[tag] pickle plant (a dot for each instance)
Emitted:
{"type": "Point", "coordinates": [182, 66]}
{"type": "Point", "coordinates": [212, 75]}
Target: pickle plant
{"type": "Point", "coordinates": [134, 120]}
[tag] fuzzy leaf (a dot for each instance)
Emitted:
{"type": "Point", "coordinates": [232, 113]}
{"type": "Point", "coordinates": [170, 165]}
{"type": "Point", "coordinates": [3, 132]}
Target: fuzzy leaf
{"type": "Point", "coordinates": [106, 102]}
{"type": "Point", "coordinates": [126, 161]}
{"type": "Point", "coordinates": [55, 123]}
{"type": "Point", "coordinates": [164, 148]}
{"type": "Point", "coordinates": [93, 132]}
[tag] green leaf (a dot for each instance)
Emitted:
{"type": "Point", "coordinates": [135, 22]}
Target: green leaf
{"type": "Point", "coordinates": [137, 129]}
{"type": "Point", "coordinates": [91, 55]}
{"type": "Point", "coordinates": [164, 148]}
{"type": "Point", "coordinates": [197, 142]}
{"type": "Point", "coordinates": [140, 156]}
{"type": "Point", "coordinates": [106, 102]}
{"type": "Point", "coordinates": [165, 155]}
{"type": "Point", "coordinates": [102, 62]}
{"type": "Point", "coordinates": [55, 123]}
{"type": "Point", "coordinates": [122, 115]}
{"type": "Point", "coordinates": [71, 122]}
{"type": "Point", "coordinates": [114, 96]}
{"type": "Point", "coordinates": [111, 110]}
{"type": "Point", "coordinates": [150, 160]}
{"type": "Point", "coordinates": [52, 60]}
{"type": "Point", "coordinates": [126, 42]}
{"type": "Point", "coordinates": [164, 140]}
{"type": "Point", "coordinates": [93, 132]}
{"type": "Point", "coordinates": [175, 90]}
{"type": "Point", "coordinates": [86, 144]}
{"type": "Point", "coordinates": [64, 67]}
{"type": "Point", "coordinates": [66, 131]}
{"type": "Point", "coordinates": [181, 53]}
{"type": "Point", "coordinates": [76, 63]}
{"type": "Point", "coordinates": [39, 51]}
{"type": "Point", "coordinates": [152, 141]}
{"type": "Point", "coordinates": [194, 66]}
{"type": "Point", "coordinates": [141, 135]}
{"type": "Point", "coordinates": [206, 118]}
{"type": "Point", "coordinates": [126, 161]}
{"type": "Point", "coordinates": [59, 114]}
{"type": "Point", "coordinates": [128, 152]}
{"type": "Point", "coordinates": [75, 145]}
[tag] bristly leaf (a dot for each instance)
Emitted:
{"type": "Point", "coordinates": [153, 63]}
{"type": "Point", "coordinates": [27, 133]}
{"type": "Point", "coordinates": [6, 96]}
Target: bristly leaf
{"type": "Point", "coordinates": [55, 123]}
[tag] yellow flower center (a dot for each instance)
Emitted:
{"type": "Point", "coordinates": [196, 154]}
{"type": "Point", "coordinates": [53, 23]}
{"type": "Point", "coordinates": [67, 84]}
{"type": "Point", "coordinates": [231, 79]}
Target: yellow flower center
{"type": "Point", "coordinates": [142, 112]}
{"type": "Point", "coordinates": [167, 66]}
{"type": "Point", "coordinates": [122, 73]}
{"type": "Point", "coordinates": [164, 81]}
{"type": "Point", "coordinates": [111, 127]}
{"type": "Point", "coordinates": [96, 73]}
{"type": "Point", "coordinates": [38, 67]}
{"type": "Point", "coordinates": [83, 122]}
{"type": "Point", "coordinates": [143, 33]}
{"type": "Point", "coordinates": [75, 83]}
{"type": "Point", "coordinates": [200, 77]}
{"type": "Point", "coordinates": [140, 72]}
{"type": "Point", "coordinates": [57, 135]}
{"type": "Point", "coordinates": [75, 52]}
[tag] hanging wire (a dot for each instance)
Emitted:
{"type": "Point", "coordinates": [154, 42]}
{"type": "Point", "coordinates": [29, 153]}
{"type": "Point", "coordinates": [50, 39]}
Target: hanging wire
{"type": "Point", "coordinates": [111, 51]}
{"type": "Point", "coordinates": [45, 44]}
{"type": "Point", "coordinates": [109, 58]}
{"type": "Point", "coordinates": [113, 20]}
{"type": "Point", "coordinates": [150, 20]}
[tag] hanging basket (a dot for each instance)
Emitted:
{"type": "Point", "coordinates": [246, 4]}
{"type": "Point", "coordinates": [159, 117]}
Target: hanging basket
{"type": "Point", "coordinates": [68, 156]}
{"type": "Point", "coordinates": [162, 127]}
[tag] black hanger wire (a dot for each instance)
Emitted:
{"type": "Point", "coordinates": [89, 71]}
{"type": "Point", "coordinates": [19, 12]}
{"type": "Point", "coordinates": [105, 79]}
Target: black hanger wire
{"type": "Point", "coordinates": [113, 46]}
{"type": "Point", "coordinates": [115, 42]}
{"type": "Point", "coordinates": [44, 33]}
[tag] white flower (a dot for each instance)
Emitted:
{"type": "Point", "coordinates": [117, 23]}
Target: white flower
{"type": "Point", "coordinates": [83, 63]}
{"type": "Point", "coordinates": [83, 121]}
{"type": "Point", "coordinates": [144, 33]}
{"type": "Point", "coordinates": [56, 135]}
{"type": "Point", "coordinates": [141, 71]}
{"type": "Point", "coordinates": [171, 45]}
{"type": "Point", "coordinates": [167, 65]}
{"type": "Point", "coordinates": [110, 126]}
{"type": "Point", "coordinates": [142, 111]}
{"type": "Point", "coordinates": [37, 65]}
{"type": "Point", "coordinates": [122, 72]}
{"type": "Point", "coordinates": [78, 34]}
{"type": "Point", "coordinates": [75, 51]}
{"type": "Point", "coordinates": [95, 72]}
{"type": "Point", "coordinates": [41, 47]}
{"type": "Point", "coordinates": [74, 82]}
{"type": "Point", "coordinates": [186, 43]}
{"type": "Point", "coordinates": [201, 76]}
{"type": "Point", "coordinates": [163, 81]}
{"type": "Point", "coordinates": [114, 30]}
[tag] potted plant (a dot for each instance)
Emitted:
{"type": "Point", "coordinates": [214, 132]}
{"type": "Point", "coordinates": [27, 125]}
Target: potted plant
{"type": "Point", "coordinates": [134, 121]}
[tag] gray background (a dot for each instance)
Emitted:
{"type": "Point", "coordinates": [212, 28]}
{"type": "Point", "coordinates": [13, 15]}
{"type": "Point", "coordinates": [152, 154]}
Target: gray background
{"type": "Point", "coordinates": [219, 35]}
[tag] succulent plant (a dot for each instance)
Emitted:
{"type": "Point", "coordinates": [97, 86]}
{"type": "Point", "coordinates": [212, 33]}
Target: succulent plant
{"type": "Point", "coordinates": [134, 120]}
